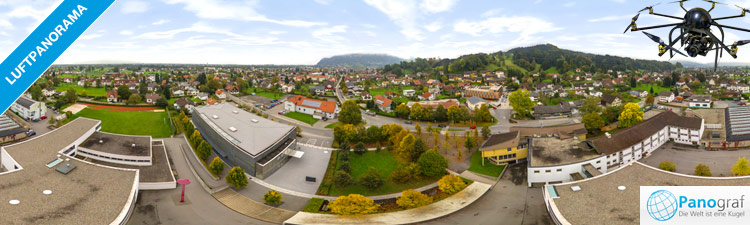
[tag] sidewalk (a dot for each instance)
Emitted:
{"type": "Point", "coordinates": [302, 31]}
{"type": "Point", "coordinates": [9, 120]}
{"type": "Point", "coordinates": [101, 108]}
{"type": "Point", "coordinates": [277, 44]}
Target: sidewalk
{"type": "Point", "coordinates": [245, 206]}
{"type": "Point", "coordinates": [198, 167]}
{"type": "Point", "coordinates": [417, 215]}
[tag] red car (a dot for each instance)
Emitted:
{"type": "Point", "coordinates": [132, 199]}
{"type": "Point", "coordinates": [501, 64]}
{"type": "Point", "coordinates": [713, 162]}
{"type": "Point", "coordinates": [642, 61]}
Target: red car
{"type": "Point", "coordinates": [44, 117]}
{"type": "Point", "coordinates": [473, 127]}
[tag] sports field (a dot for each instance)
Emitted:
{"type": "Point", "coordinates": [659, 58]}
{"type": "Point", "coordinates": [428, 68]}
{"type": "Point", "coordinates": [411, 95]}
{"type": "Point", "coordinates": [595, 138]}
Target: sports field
{"type": "Point", "coordinates": [150, 123]}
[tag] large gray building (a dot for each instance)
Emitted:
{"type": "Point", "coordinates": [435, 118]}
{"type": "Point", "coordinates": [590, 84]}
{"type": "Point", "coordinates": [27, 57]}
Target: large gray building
{"type": "Point", "coordinates": [257, 145]}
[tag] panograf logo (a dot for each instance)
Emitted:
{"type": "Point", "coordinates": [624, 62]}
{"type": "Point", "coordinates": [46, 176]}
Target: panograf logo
{"type": "Point", "coordinates": [694, 205]}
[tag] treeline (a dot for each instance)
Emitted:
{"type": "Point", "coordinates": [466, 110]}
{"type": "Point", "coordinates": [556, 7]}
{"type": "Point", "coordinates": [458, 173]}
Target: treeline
{"type": "Point", "coordinates": [545, 56]}
{"type": "Point", "coordinates": [358, 60]}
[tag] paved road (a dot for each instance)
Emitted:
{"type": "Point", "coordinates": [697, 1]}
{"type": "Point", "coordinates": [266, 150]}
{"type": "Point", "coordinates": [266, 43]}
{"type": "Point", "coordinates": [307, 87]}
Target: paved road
{"type": "Point", "coordinates": [687, 158]}
{"type": "Point", "coordinates": [509, 202]}
{"type": "Point", "coordinates": [160, 207]}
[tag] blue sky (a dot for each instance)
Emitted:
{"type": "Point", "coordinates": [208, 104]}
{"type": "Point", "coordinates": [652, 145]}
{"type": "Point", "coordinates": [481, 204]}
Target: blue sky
{"type": "Point", "coordinates": [303, 31]}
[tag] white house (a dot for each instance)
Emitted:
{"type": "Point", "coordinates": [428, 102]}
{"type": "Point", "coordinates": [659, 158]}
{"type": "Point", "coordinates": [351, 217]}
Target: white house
{"type": "Point", "coordinates": [221, 94]}
{"type": "Point", "coordinates": [191, 91]}
{"type": "Point", "coordinates": [666, 96]}
{"type": "Point", "coordinates": [178, 93]}
{"type": "Point", "coordinates": [427, 96]}
{"type": "Point", "coordinates": [203, 96]}
{"type": "Point", "coordinates": [699, 101]}
{"type": "Point", "coordinates": [49, 91]}
{"type": "Point", "coordinates": [409, 93]}
{"type": "Point", "coordinates": [317, 108]}
{"type": "Point", "coordinates": [29, 108]}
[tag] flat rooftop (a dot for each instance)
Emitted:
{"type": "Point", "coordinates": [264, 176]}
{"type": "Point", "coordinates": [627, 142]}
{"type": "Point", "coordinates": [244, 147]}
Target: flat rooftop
{"type": "Point", "coordinates": [552, 151]}
{"type": "Point", "coordinates": [159, 171]}
{"type": "Point", "coordinates": [711, 116]}
{"type": "Point", "coordinates": [600, 202]}
{"type": "Point", "coordinates": [90, 194]}
{"type": "Point", "coordinates": [119, 144]}
{"type": "Point", "coordinates": [252, 133]}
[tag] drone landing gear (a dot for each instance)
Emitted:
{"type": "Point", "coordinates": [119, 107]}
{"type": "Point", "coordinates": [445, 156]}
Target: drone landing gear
{"type": "Point", "coordinates": [662, 49]}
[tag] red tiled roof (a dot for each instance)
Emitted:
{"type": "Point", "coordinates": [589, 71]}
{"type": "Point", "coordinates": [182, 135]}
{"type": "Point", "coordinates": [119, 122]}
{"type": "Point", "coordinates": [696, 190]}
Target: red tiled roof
{"type": "Point", "coordinates": [325, 106]}
{"type": "Point", "coordinates": [383, 101]}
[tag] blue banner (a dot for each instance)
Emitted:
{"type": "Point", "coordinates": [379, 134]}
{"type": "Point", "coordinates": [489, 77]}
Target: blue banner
{"type": "Point", "coordinates": [45, 44]}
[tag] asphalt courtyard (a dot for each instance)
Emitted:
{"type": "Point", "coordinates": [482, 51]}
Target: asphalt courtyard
{"type": "Point", "coordinates": [686, 158]}
{"type": "Point", "coordinates": [292, 175]}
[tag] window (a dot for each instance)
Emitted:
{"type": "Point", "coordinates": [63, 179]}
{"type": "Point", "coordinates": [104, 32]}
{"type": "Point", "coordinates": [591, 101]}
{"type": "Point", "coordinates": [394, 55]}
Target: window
{"type": "Point", "coordinates": [548, 171]}
{"type": "Point", "coordinates": [509, 149]}
{"type": "Point", "coordinates": [559, 170]}
{"type": "Point", "coordinates": [535, 171]}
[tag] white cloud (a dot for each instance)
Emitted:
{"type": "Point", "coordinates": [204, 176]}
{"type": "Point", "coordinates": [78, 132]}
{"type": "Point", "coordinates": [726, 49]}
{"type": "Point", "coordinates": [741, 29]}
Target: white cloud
{"type": "Point", "coordinates": [436, 6]}
{"type": "Point", "coordinates": [208, 29]}
{"type": "Point", "coordinates": [329, 33]}
{"type": "Point", "coordinates": [610, 18]}
{"type": "Point", "coordinates": [434, 26]}
{"type": "Point", "coordinates": [497, 25]}
{"type": "Point", "coordinates": [231, 10]}
{"type": "Point", "coordinates": [569, 4]}
{"type": "Point", "coordinates": [160, 22]}
{"type": "Point", "coordinates": [277, 32]}
{"type": "Point", "coordinates": [132, 6]}
{"type": "Point", "coordinates": [491, 12]}
{"type": "Point", "coordinates": [403, 13]}
{"type": "Point", "coordinates": [126, 32]}
{"type": "Point", "coordinates": [324, 2]}
{"type": "Point", "coordinates": [90, 36]}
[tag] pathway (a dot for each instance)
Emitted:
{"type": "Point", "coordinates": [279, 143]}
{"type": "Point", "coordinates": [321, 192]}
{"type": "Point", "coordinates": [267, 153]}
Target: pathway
{"type": "Point", "coordinates": [245, 206]}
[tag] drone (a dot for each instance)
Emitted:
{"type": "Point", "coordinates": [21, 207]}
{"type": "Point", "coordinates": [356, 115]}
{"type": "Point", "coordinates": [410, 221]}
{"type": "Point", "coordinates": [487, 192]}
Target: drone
{"type": "Point", "coordinates": [694, 32]}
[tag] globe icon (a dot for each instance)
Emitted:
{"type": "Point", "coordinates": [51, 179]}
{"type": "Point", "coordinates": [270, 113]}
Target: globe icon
{"type": "Point", "coordinates": [661, 205]}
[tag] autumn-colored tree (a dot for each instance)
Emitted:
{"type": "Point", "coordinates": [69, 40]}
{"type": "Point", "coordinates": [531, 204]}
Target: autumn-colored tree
{"type": "Point", "coordinates": [345, 133]}
{"type": "Point", "coordinates": [667, 165]}
{"type": "Point", "coordinates": [418, 128]}
{"type": "Point", "coordinates": [195, 137]}
{"type": "Point", "coordinates": [631, 115]}
{"type": "Point", "coordinates": [413, 199]}
{"type": "Point", "coordinates": [451, 184]}
{"type": "Point", "coordinates": [521, 102]}
{"type": "Point", "coordinates": [593, 121]}
{"type": "Point", "coordinates": [236, 177]}
{"type": "Point", "coordinates": [702, 170]}
{"type": "Point", "coordinates": [741, 168]}
{"type": "Point", "coordinates": [216, 166]}
{"type": "Point", "coordinates": [650, 99]}
{"type": "Point", "coordinates": [204, 150]}
{"type": "Point", "coordinates": [272, 198]}
{"type": "Point", "coordinates": [405, 173]}
{"type": "Point", "coordinates": [353, 204]}
{"type": "Point", "coordinates": [350, 113]}
{"type": "Point", "coordinates": [402, 111]}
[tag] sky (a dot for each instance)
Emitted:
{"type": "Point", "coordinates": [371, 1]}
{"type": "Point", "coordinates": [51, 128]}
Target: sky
{"type": "Point", "coordinates": [304, 31]}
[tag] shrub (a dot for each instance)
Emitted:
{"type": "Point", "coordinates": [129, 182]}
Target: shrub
{"type": "Point", "coordinates": [413, 199]}
{"type": "Point", "coordinates": [195, 137]}
{"type": "Point", "coordinates": [216, 166]}
{"type": "Point", "coordinates": [371, 179]}
{"type": "Point", "coordinates": [342, 179]}
{"type": "Point", "coordinates": [204, 150]}
{"type": "Point", "coordinates": [667, 165]}
{"type": "Point", "coordinates": [353, 204]}
{"type": "Point", "coordinates": [360, 148]}
{"type": "Point", "coordinates": [236, 177]}
{"type": "Point", "coordinates": [741, 168]}
{"type": "Point", "coordinates": [405, 173]}
{"type": "Point", "coordinates": [345, 167]}
{"type": "Point", "coordinates": [432, 164]}
{"type": "Point", "coordinates": [451, 184]}
{"type": "Point", "coordinates": [272, 198]}
{"type": "Point", "coordinates": [702, 170]}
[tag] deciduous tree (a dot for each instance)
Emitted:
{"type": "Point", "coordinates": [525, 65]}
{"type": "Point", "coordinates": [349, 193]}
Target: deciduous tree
{"type": "Point", "coordinates": [593, 122]}
{"type": "Point", "coordinates": [667, 165]}
{"type": "Point", "coordinates": [631, 115]}
{"type": "Point", "coordinates": [702, 170]}
{"type": "Point", "coordinates": [451, 184]}
{"type": "Point", "coordinates": [216, 166]}
{"type": "Point", "coordinates": [371, 179]}
{"type": "Point", "coordinates": [342, 179]}
{"type": "Point", "coordinates": [741, 168]}
{"type": "Point", "coordinates": [236, 177]}
{"type": "Point", "coordinates": [432, 164]}
{"type": "Point", "coordinates": [353, 204]}
{"type": "Point", "coordinates": [413, 199]}
{"type": "Point", "coordinates": [521, 102]}
{"type": "Point", "coordinates": [350, 113]}
{"type": "Point", "coordinates": [272, 198]}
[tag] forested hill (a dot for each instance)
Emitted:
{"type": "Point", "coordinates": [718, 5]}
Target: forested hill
{"type": "Point", "coordinates": [526, 60]}
{"type": "Point", "coordinates": [359, 60]}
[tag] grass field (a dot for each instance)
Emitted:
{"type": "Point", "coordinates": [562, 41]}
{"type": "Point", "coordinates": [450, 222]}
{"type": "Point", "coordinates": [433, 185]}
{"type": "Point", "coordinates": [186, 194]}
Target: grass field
{"type": "Point", "coordinates": [374, 91]}
{"type": "Point", "coordinates": [333, 125]}
{"type": "Point", "coordinates": [385, 163]}
{"type": "Point", "coordinates": [90, 91]}
{"type": "Point", "coordinates": [267, 94]}
{"type": "Point", "coordinates": [155, 124]}
{"type": "Point", "coordinates": [488, 169]}
{"type": "Point", "coordinates": [305, 118]}
{"type": "Point", "coordinates": [647, 87]}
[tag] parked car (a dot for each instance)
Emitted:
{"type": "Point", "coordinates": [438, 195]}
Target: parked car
{"type": "Point", "coordinates": [408, 122]}
{"type": "Point", "coordinates": [442, 126]}
{"type": "Point", "coordinates": [325, 119]}
{"type": "Point", "coordinates": [473, 127]}
{"type": "Point", "coordinates": [30, 133]}
{"type": "Point", "coordinates": [44, 117]}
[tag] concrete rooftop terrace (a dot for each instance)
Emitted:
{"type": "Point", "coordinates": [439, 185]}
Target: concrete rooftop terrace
{"type": "Point", "coordinates": [119, 144]}
{"type": "Point", "coordinates": [600, 202]}
{"type": "Point", "coordinates": [89, 194]}
{"type": "Point", "coordinates": [254, 134]}
{"type": "Point", "coordinates": [552, 151]}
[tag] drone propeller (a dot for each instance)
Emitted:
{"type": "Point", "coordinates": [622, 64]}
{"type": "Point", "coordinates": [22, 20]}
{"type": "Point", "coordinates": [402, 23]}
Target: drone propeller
{"type": "Point", "coordinates": [714, 2]}
{"type": "Point", "coordinates": [631, 22]}
{"type": "Point", "coordinates": [661, 42]}
{"type": "Point", "coordinates": [680, 1]}
{"type": "Point", "coordinates": [740, 43]}
{"type": "Point", "coordinates": [743, 9]}
{"type": "Point", "coordinates": [649, 7]}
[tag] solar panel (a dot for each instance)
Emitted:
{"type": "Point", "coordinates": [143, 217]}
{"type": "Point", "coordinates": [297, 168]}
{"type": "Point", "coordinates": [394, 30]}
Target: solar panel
{"type": "Point", "coordinates": [740, 129]}
{"type": "Point", "coordinates": [314, 104]}
{"type": "Point", "coordinates": [741, 133]}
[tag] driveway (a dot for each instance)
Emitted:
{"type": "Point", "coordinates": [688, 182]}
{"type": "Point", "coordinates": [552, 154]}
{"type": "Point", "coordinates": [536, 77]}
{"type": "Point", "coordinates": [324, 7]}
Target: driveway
{"type": "Point", "coordinates": [160, 207]}
{"type": "Point", "coordinates": [509, 202]}
{"type": "Point", "coordinates": [687, 158]}
{"type": "Point", "coordinates": [292, 175]}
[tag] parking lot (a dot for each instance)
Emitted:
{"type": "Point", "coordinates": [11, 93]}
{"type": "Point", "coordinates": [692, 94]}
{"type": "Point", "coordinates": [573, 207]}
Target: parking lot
{"type": "Point", "coordinates": [686, 158]}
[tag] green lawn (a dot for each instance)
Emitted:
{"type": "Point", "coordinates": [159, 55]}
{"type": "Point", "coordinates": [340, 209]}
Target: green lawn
{"type": "Point", "coordinates": [647, 87]}
{"type": "Point", "coordinates": [333, 125]}
{"type": "Point", "coordinates": [155, 124]}
{"type": "Point", "coordinates": [267, 94]}
{"type": "Point", "coordinates": [90, 91]}
{"type": "Point", "coordinates": [305, 118]}
{"type": "Point", "coordinates": [385, 163]}
{"type": "Point", "coordinates": [374, 91]}
{"type": "Point", "coordinates": [488, 169]}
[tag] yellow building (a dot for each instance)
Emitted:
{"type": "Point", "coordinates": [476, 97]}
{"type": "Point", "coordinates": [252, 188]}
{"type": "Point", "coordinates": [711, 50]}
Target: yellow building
{"type": "Point", "coordinates": [505, 148]}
